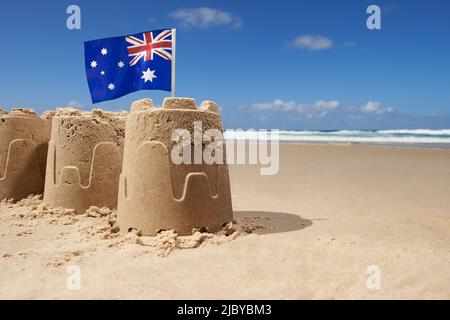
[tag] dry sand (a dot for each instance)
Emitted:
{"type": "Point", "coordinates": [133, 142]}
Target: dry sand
{"type": "Point", "coordinates": [309, 232]}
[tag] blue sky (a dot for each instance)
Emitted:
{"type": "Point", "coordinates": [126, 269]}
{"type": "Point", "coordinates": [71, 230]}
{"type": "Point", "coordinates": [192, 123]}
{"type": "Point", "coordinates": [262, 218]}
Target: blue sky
{"type": "Point", "coordinates": [268, 64]}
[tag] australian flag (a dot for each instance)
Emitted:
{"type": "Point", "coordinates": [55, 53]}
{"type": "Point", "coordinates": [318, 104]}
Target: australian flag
{"type": "Point", "coordinates": [121, 65]}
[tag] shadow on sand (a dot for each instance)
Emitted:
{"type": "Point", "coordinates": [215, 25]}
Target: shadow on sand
{"type": "Point", "coordinates": [267, 222]}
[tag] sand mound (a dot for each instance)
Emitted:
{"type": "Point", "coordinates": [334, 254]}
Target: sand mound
{"type": "Point", "coordinates": [97, 229]}
{"type": "Point", "coordinates": [167, 241]}
{"type": "Point", "coordinates": [163, 242]}
{"type": "Point", "coordinates": [32, 208]}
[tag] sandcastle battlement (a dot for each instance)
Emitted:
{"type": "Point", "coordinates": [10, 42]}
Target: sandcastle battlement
{"type": "Point", "coordinates": [84, 158]}
{"type": "Point", "coordinates": [173, 104]}
{"type": "Point", "coordinates": [156, 194]}
{"type": "Point", "coordinates": [24, 137]}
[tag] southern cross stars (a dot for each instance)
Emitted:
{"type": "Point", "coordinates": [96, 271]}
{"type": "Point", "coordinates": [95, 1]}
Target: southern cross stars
{"type": "Point", "coordinates": [148, 75]}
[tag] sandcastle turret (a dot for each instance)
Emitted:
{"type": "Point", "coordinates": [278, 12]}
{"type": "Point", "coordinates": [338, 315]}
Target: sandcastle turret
{"type": "Point", "coordinates": [24, 140]}
{"type": "Point", "coordinates": [84, 159]}
{"type": "Point", "coordinates": [157, 194]}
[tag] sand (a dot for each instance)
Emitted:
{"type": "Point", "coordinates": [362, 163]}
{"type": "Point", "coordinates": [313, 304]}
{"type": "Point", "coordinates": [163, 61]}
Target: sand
{"type": "Point", "coordinates": [310, 232]}
{"type": "Point", "coordinates": [24, 140]}
{"type": "Point", "coordinates": [155, 192]}
{"type": "Point", "coordinates": [84, 158]}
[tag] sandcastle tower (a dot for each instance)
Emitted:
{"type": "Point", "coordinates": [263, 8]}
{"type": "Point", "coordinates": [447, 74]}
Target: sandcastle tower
{"type": "Point", "coordinates": [84, 159]}
{"type": "Point", "coordinates": [156, 194]}
{"type": "Point", "coordinates": [23, 149]}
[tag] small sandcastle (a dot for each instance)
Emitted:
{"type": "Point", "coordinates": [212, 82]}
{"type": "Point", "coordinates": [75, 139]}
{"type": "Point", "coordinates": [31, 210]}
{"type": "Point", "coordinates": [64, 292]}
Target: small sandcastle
{"type": "Point", "coordinates": [154, 193]}
{"type": "Point", "coordinates": [84, 159]}
{"type": "Point", "coordinates": [24, 140]}
{"type": "Point", "coordinates": [84, 164]}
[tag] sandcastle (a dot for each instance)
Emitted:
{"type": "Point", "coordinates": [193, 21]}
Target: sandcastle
{"type": "Point", "coordinates": [84, 159]}
{"type": "Point", "coordinates": [154, 193]}
{"type": "Point", "coordinates": [24, 140]}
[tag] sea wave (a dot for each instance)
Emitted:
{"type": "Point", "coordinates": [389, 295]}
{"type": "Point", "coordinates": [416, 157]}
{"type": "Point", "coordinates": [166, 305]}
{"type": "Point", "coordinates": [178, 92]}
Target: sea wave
{"type": "Point", "coordinates": [444, 132]}
{"type": "Point", "coordinates": [417, 136]}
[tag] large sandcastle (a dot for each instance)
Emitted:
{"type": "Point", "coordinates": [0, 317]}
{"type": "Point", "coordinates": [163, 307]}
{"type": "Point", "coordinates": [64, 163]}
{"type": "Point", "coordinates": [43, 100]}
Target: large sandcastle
{"type": "Point", "coordinates": [84, 159]}
{"type": "Point", "coordinates": [23, 149]}
{"type": "Point", "coordinates": [154, 193]}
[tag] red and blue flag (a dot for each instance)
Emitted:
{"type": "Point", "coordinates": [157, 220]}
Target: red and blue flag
{"type": "Point", "coordinates": [121, 65]}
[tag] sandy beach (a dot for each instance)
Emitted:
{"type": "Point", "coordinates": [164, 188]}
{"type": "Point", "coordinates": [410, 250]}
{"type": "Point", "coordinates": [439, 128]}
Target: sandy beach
{"type": "Point", "coordinates": [309, 232]}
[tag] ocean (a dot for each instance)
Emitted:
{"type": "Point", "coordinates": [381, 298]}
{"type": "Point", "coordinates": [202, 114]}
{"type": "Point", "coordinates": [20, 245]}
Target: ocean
{"type": "Point", "coordinates": [422, 137]}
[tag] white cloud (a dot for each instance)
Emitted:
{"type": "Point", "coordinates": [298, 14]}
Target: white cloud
{"type": "Point", "coordinates": [326, 105]}
{"type": "Point", "coordinates": [318, 109]}
{"type": "Point", "coordinates": [74, 104]}
{"type": "Point", "coordinates": [277, 104]}
{"type": "Point", "coordinates": [374, 107]}
{"type": "Point", "coordinates": [205, 17]}
{"type": "Point", "coordinates": [371, 107]}
{"type": "Point", "coordinates": [312, 42]}
{"type": "Point", "coordinates": [323, 108]}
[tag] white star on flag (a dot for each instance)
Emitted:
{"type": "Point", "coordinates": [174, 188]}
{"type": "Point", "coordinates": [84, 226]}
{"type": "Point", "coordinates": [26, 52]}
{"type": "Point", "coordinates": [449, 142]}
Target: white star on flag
{"type": "Point", "coordinates": [121, 64]}
{"type": "Point", "coordinates": [104, 51]}
{"type": "Point", "coordinates": [149, 75]}
{"type": "Point", "coordinates": [102, 73]}
{"type": "Point", "coordinates": [111, 86]}
{"type": "Point", "coordinates": [94, 64]}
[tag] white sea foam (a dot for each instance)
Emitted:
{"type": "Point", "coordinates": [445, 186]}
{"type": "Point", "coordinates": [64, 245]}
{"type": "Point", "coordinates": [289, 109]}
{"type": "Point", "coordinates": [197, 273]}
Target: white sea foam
{"type": "Point", "coordinates": [419, 132]}
{"type": "Point", "coordinates": [420, 136]}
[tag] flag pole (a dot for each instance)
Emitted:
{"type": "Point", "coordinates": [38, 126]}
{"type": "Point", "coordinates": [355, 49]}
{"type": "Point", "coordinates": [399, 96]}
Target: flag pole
{"type": "Point", "coordinates": [174, 38]}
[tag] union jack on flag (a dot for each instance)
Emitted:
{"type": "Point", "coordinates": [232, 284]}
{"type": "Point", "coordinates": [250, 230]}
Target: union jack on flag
{"type": "Point", "coordinates": [149, 45]}
{"type": "Point", "coordinates": [121, 65]}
